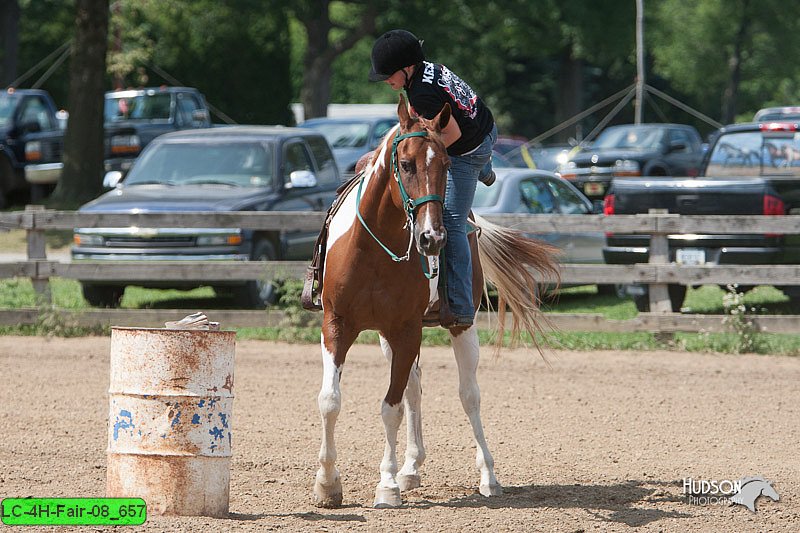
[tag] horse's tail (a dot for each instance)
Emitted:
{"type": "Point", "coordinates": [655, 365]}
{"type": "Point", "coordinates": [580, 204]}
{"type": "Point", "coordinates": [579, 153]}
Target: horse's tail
{"type": "Point", "coordinates": [517, 266]}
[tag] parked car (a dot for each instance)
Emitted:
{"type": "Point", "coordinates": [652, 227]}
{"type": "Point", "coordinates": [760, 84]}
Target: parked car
{"type": "Point", "coordinates": [778, 114]}
{"type": "Point", "coordinates": [238, 168]}
{"type": "Point", "coordinates": [350, 138]}
{"type": "Point", "coordinates": [539, 192]}
{"type": "Point", "coordinates": [634, 150]}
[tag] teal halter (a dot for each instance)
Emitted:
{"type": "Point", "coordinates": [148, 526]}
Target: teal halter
{"type": "Point", "coordinates": [409, 204]}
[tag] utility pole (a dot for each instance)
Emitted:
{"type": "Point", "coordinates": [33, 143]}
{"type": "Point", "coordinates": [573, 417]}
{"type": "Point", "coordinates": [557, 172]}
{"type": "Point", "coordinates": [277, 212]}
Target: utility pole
{"type": "Point", "coordinates": [639, 106]}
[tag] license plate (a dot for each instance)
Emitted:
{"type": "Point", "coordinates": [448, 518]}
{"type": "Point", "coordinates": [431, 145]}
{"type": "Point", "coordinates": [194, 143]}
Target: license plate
{"type": "Point", "coordinates": [690, 256]}
{"type": "Point", "coordinates": [593, 189]}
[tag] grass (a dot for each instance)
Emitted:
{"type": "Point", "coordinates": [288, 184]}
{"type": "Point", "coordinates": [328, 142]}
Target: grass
{"type": "Point", "coordinates": [18, 292]}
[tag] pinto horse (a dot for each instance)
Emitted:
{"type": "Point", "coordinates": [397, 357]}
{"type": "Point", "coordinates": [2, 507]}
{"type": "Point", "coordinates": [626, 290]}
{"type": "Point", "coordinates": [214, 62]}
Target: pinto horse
{"type": "Point", "coordinates": [398, 206]}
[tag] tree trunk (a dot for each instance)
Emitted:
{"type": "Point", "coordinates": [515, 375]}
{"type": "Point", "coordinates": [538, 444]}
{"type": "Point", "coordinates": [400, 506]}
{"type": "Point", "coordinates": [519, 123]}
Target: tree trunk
{"type": "Point", "coordinates": [9, 41]}
{"type": "Point", "coordinates": [83, 143]}
{"type": "Point", "coordinates": [569, 99]}
{"type": "Point", "coordinates": [316, 92]}
{"type": "Point", "coordinates": [320, 53]}
{"type": "Point", "coordinates": [731, 93]}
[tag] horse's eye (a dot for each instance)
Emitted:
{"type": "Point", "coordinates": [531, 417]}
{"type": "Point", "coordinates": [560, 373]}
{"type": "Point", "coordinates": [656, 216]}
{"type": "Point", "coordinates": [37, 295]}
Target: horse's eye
{"type": "Point", "coordinates": [407, 166]}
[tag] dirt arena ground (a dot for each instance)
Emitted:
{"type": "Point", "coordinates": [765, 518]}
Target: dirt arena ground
{"type": "Point", "coordinates": [596, 441]}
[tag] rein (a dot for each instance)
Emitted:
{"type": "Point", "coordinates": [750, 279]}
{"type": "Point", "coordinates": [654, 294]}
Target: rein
{"type": "Point", "coordinates": [409, 204]}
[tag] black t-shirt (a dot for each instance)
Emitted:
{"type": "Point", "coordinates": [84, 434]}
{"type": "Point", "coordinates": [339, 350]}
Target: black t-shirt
{"type": "Point", "coordinates": [434, 85]}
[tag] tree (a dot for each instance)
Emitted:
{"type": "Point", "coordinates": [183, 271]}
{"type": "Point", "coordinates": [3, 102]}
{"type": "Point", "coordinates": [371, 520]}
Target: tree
{"type": "Point", "coordinates": [728, 55]}
{"type": "Point", "coordinates": [326, 40]}
{"type": "Point", "coordinates": [9, 46]}
{"type": "Point", "coordinates": [235, 52]}
{"type": "Point", "coordinates": [83, 142]}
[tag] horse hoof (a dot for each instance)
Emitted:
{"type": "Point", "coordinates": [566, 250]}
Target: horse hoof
{"type": "Point", "coordinates": [328, 496]}
{"type": "Point", "coordinates": [495, 489]}
{"type": "Point", "coordinates": [387, 498]}
{"type": "Point", "coordinates": [408, 482]}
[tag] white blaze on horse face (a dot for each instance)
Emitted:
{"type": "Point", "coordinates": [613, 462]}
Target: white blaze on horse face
{"type": "Point", "coordinates": [429, 155]}
{"type": "Point", "coordinates": [346, 215]}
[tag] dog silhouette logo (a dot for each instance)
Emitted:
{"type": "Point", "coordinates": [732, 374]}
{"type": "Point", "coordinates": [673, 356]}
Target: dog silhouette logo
{"type": "Point", "coordinates": [750, 489]}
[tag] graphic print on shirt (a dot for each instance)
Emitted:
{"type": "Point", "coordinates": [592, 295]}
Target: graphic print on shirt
{"type": "Point", "coordinates": [461, 93]}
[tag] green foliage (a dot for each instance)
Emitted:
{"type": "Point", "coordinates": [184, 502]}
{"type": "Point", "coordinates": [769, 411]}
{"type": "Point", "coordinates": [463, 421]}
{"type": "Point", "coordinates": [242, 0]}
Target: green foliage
{"type": "Point", "coordinates": [519, 55]}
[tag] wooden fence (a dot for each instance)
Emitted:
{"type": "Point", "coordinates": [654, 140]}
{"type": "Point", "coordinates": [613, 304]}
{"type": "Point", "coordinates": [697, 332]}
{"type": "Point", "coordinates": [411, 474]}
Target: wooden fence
{"type": "Point", "coordinates": [658, 273]}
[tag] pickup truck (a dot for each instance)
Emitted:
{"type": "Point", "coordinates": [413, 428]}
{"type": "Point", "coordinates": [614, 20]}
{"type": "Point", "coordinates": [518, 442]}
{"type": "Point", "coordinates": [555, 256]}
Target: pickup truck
{"type": "Point", "coordinates": [634, 150]}
{"type": "Point", "coordinates": [133, 118]}
{"type": "Point", "coordinates": [31, 142]}
{"type": "Point", "coordinates": [236, 168]}
{"type": "Point", "coordinates": [749, 169]}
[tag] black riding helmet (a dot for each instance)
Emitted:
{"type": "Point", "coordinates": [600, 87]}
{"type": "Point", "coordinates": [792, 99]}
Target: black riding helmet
{"type": "Point", "coordinates": [392, 51]}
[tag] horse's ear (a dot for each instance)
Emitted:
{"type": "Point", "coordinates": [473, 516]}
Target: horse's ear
{"type": "Point", "coordinates": [403, 114]}
{"type": "Point", "coordinates": [443, 118]}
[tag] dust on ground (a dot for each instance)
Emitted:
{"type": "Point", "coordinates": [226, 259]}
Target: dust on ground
{"type": "Point", "coordinates": [594, 441]}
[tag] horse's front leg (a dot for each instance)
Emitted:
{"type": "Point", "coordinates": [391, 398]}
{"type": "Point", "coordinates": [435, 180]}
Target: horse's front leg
{"type": "Point", "coordinates": [409, 478]}
{"type": "Point", "coordinates": [467, 352]}
{"type": "Point", "coordinates": [404, 343]}
{"type": "Point", "coordinates": [328, 484]}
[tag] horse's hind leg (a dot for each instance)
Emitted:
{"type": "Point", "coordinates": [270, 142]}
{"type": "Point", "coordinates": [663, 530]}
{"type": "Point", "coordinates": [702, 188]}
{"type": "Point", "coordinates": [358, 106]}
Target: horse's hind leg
{"type": "Point", "coordinates": [466, 348]}
{"type": "Point", "coordinates": [328, 484]}
{"type": "Point", "coordinates": [408, 478]}
{"type": "Point", "coordinates": [404, 348]}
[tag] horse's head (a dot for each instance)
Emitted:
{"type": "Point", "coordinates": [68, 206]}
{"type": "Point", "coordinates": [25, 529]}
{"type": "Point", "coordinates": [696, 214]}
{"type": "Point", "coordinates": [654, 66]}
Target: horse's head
{"type": "Point", "coordinates": [419, 168]}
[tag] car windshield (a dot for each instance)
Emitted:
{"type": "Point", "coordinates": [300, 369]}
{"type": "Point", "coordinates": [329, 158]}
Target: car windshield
{"type": "Point", "coordinates": [344, 134]}
{"type": "Point", "coordinates": [756, 153]}
{"type": "Point", "coordinates": [486, 196]}
{"type": "Point", "coordinates": [8, 102]}
{"type": "Point", "coordinates": [633, 138]}
{"type": "Point", "coordinates": [138, 107]}
{"type": "Point", "coordinates": [239, 164]}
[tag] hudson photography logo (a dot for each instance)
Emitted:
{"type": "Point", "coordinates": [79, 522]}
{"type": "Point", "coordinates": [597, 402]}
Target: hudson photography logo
{"type": "Point", "coordinates": [744, 491]}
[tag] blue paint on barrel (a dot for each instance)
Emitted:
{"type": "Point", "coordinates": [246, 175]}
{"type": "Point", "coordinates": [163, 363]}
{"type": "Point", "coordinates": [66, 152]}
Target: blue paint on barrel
{"type": "Point", "coordinates": [122, 423]}
{"type": "Point", "coordinates": [176, 420]}
{"type": "Point", "coordinates": [196, 419]}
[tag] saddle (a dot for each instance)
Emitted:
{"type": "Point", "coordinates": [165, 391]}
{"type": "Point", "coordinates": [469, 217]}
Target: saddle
{"type": "Point", "coordinates": [312, 284]}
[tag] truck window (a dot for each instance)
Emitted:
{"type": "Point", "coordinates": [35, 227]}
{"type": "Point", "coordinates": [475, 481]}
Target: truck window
{"type": "Point", "coordinates": [187, 104]}
{"type": "Point", "coordinates": [682, 137]}
{"type": "Point", "coordinates": [295, 158]}
{"type": "Point", "coordinates": [8, 103]}
{"type": "Point", "coordinates": [754, 153]}
{"type": "Point", "coordinates": [326, 165]}
{"type": "Point", "coordinates": [33, 109]}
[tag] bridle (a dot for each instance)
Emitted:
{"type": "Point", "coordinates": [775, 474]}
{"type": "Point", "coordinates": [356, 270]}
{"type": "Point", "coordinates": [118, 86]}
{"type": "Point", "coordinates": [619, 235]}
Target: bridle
{"type": "Point", "coordinates": [409, 205]}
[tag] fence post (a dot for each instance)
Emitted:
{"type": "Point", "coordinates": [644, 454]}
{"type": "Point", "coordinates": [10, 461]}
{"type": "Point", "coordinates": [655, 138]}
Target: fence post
{"type": "Point", "coordinates": [659, 255]}
{"type": "Point", "coordinates": [37, 251]}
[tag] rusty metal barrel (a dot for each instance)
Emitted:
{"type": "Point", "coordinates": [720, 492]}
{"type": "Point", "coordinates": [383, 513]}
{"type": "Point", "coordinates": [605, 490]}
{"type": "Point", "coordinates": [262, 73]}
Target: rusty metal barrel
{"type": "Point", "coordinates": [169, 427]}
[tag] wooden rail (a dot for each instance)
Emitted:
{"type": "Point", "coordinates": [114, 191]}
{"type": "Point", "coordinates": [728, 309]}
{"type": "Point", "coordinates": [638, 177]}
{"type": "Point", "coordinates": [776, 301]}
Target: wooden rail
{"type": "Point", "coordinates": [658, 273]}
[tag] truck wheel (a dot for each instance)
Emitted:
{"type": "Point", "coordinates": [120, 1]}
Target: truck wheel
{"type": "Point", "coordinates": [676, 295]}
{"type": "Point", "coordinates": [617, 290]}
{"type": "Point", "coordinates": [258, 293]}
{"type": "Point", "coordinates": [6, 180]}
{"type": "Point", "coordinates": [103, 295]}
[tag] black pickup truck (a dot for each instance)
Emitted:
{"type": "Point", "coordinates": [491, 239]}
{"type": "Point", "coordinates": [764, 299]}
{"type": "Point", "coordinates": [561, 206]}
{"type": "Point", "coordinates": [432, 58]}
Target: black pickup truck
{"type": "Point", "coordinates": [31, 142]}
{"type": "Point", "coordinates": [749, 169]}
{"type": "Point", "coordinates": [634, 150]}
{"type": "Point", "coordinates": [134, 117]}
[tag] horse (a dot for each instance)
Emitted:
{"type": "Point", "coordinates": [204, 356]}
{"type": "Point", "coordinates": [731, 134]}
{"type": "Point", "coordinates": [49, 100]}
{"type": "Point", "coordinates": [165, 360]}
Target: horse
{"type": "Point", "coordinates": [398, 205]}
{"type": "Point", "coordinates": [751, 489]}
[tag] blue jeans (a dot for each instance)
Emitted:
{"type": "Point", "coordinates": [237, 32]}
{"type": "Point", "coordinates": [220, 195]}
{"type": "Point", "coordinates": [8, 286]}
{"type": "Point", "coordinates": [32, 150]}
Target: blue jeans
{"type": "Point", "coordinates": [461, 182]}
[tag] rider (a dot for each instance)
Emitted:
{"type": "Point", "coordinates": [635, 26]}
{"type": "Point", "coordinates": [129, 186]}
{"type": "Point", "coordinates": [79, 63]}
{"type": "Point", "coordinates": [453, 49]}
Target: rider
{"type": "Point", "coordinates": [398, 60]}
